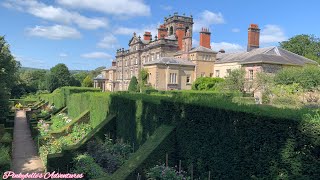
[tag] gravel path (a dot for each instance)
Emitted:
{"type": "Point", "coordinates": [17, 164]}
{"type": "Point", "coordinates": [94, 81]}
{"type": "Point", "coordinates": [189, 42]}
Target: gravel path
{"type": "Point", "coordinates": [24, 156]}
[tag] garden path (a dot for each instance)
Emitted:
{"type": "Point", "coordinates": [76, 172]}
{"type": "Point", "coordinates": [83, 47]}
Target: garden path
{"type": "Point", "coordinates": [25, 158]}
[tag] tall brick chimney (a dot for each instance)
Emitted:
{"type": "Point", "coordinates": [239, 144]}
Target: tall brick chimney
{"type": "Point", "coordinates": [253, 37]}
{"type": "Point", "coordinates": [162, 32]}
{"type": "Point", "coordinates": [187, 42]}
{"type": "Point", "coordinates": [205, 38]}
{"type": "Point", "coordinates": [147, 36]}
{"type": "Point", "coordinates": [180, 35]}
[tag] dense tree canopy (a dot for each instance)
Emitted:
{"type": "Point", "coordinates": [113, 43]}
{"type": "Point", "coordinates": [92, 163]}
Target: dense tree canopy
{"type": "Point", "coordinates": [304, 45]}
{"type": "Point", "coordinates": [8, 75]}
{"type": "Point", "coordinates": [307, 77]}
{"type": "Point", "coordinates": [87, 82]}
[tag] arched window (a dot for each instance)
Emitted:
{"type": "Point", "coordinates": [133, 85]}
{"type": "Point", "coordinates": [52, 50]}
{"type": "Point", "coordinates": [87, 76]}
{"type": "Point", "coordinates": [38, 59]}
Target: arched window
{"type": "Point", "coordinates": [186, 30]}
{"type": "Point", "coordinates": [171, 30]}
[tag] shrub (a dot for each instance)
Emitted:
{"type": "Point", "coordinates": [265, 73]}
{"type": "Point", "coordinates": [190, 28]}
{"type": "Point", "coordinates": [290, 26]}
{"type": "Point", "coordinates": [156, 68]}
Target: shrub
{"type": "Point", "coordinates": [85, 164]}
{"type": "Point", "coordinates": [109, 155]}
{"type": "Point", "coordinates": [206, 83]}
{"type": "Point", "coordinates": [6, 138]}
{"type": "Point", "coordinates": [166, 173]}
{"type": "Point", "coordinates": [308, 76]}
{"type": "Point", "coordinates": [133, 85]}
{"type": "Point", "coordinates": [4, 155]}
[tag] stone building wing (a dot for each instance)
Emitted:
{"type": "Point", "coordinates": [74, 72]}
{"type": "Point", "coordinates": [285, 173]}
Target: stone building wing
{"type": "Point", "coordinates": [171, 61]}
{"type": "Point", "coordinates": [270, 55]}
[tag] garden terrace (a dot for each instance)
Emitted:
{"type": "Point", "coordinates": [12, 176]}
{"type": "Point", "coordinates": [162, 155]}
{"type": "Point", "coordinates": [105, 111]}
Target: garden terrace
{"type": "Point", "coordinates": [211, 133]}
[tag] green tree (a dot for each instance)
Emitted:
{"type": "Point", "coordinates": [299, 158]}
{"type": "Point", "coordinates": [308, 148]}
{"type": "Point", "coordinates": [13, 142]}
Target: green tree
{"type": "Point", "coordinates": [87, 82]}
{"type": "Point", "coordinates": [235, 81]}
{"type": "Point", "coordinates": [33, 79]}
{"type": "Point", "coordinates": [143, 78]}
{"type": "Point", "coordinates": [8, 76]}
{"type": "Point", "coordinates": [62, 75]}
{"type": "Point", "coordinates": [97, 71]}
{"type": "Point", "coordinates": [80, 76]}
{"type": "Point", "coordinates": [206, 83]}
{"type": "Point", "coordinates": [133, 85]}
{"type": "Point", "coordinates": [308, 77]}
{"type": "Point", "coordinates": [51, 82]}
{"type": "Point", "coordinates": [304, 45]}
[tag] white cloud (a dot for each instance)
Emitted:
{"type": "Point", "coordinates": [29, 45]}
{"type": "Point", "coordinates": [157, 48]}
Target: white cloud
{"type": "Point", "coordinates": [63, 55]}
{"type": "Point", "coordinates": [206, 19]}
{"type": "Point", "coordinates": [115, 7]}
{"type": "Point", "coordinates": [140, 31]}
{"type": "Point", "coordinates": [228, 47]}
{"type": "Point", "coordinates": [235, 30]}
{"type": "Point", "coordinates": [97, 55]}
{"type": "Point", "coordinates": [31, 62]}
{"type": "Point", "coordinates": [272, 34]}
{"type": "Point", "coordinates": [126, 30]}
{"type": "Point", "coordinates": [54, 32]}
{"type": "Point", "coordinates": [166, 7]}
{"type": "Point", "coordinates": [108, 41]}
{"type": "Point", "coordinates": [56, 14]}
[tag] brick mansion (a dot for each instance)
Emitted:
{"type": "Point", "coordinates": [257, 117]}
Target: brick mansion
{"type": "Point", "coordinates": [173, 63]}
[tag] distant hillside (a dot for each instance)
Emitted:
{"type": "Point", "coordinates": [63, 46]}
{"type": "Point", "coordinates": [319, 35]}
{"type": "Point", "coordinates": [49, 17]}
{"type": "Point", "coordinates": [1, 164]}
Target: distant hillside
{"type": "Point", "coordinates": [23, 69]}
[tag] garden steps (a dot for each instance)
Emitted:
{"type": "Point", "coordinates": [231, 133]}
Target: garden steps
{"type": "Point", "coordinates": [136, 159]}
{"type": "Point", "coordinates": [25, 158]}
{"type": "Point", "coordinates": [82, 141]}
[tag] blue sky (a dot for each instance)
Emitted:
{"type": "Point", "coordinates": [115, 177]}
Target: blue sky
{"type": "Point", "coordinates": [84, 34]}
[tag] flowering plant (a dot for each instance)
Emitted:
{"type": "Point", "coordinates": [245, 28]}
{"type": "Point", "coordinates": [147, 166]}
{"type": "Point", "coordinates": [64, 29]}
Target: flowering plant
{"type": "Point", "coordinates": [43, 127]}
{"type": "Point", "coordinates": [163, 172]}
{"type": "Point", "coordinates": [60, 121]}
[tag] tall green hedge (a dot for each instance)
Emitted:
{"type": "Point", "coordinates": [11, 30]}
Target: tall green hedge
{"type": "Point", "coordinates": [242, 145]}
{"type": "Point", "coordinates": [213, 134]}
{"type": "Point", "coordinates": [60, 96]}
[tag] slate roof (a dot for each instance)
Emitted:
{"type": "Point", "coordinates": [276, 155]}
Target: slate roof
{"type": "Point", "coordinates": [110, 68]}
{"type": "Point", "coordinates": [272, 55]}
{"type": "Point", "coordinates": [202, 49]}
{"type": "Point", "coordinates": [171, 61]}
{"type": "Point", "coordinates": [100, 76]}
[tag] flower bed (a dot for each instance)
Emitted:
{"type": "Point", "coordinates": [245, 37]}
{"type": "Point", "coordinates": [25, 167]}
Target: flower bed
{"type": "Point", "coordinates": [52, 145]}
{"type": "Point", "coordinates": [59, 121]}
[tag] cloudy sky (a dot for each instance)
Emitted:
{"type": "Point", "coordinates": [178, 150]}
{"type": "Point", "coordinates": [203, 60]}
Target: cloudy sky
{"type": "Point", "coordinates": [84, 34]}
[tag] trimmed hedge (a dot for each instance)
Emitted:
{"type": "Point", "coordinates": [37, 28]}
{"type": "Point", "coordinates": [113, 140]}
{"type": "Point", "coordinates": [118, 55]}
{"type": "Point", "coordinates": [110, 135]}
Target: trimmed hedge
{"type": "Point", "coordinates": [60, 96]}
{"type": "Point", "coordinates": [153, 150]}
{"type": "Point", "coordinates": [214, 134]}
{"type": "Point", "coordinates": [243, 145]}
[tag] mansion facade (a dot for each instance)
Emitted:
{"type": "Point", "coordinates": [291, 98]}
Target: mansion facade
{"type": "Point", "coordinates": [173, 63]}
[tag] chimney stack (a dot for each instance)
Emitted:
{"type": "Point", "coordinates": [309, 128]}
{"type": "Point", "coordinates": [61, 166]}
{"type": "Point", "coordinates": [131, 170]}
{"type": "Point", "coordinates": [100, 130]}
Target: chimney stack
{"type": "Point", "coordinates": [114, 63]}
{"type": "Point", "coordinates": [180, 35]}
{"type": "Point", "coordinates": [253, 37]}
{"type": "Point", "coordinates": [205, 38]}
{"type": "Point", "coordinates": [187, 42]}
{"type": "Point", "coordinates": [162, 32]}
{"type": "Point", "coordinates": [147, 36]}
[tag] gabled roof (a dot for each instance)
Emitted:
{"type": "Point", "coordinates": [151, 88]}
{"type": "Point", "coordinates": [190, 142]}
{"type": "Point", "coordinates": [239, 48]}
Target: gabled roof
{"type": "Point", "coordinates": [134, 40]}
{"type": "Point", "coordinates": [272, 55]}
{"type": "Point", "coordinates": [100, 76]}
{"type": "Point", "coordinates": [171, 61]}
{"type": "Point", "coordinates": [202, 49]}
